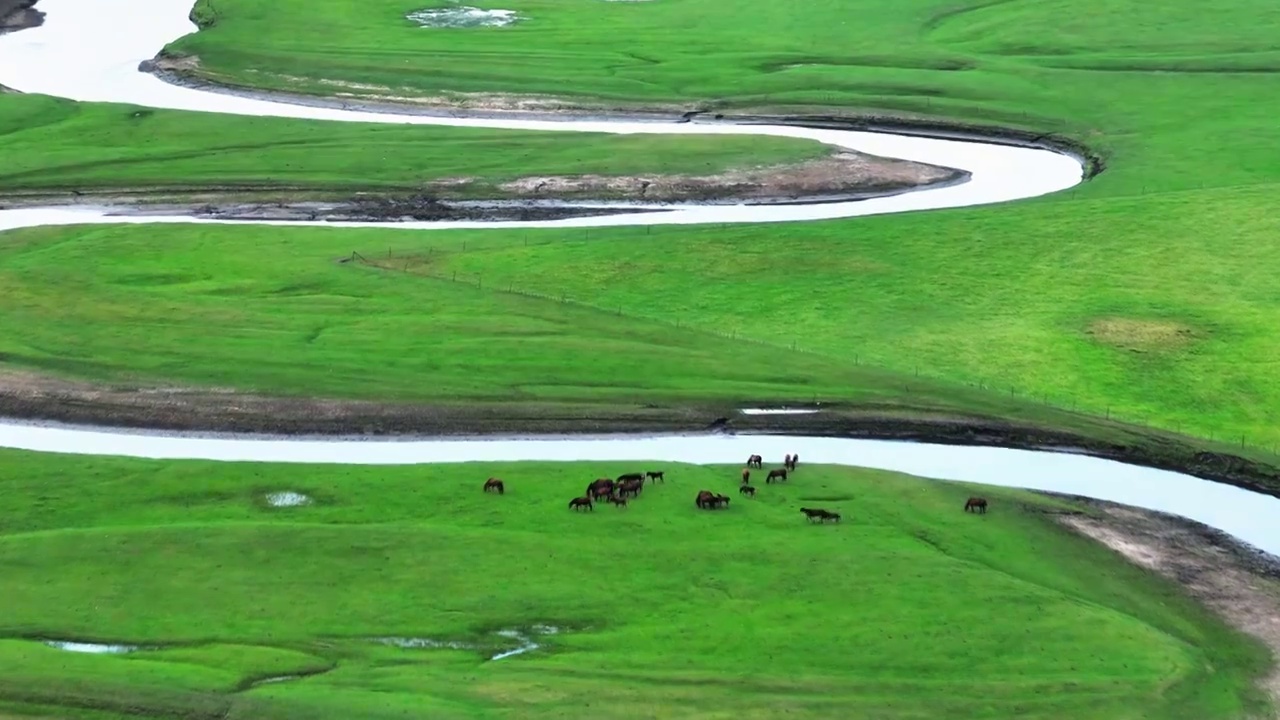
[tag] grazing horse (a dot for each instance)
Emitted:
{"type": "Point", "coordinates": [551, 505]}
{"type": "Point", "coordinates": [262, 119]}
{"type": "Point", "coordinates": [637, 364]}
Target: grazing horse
{"type": "Point", "coordinates": [755, 461]}
{"type": "Point", "coordinates": [746, 476]}
{"type": "Point", "coordinates": [581, 502]}
{"type": "Point", "coordinates": [631, 476]}
{"type": "Point", "coordinates": [748, 490]}
{"type": "Point", "coordinates": [656, 475]}
{"type": "Point", "coordinates": [976, 504]}
{"type": "Point", "coordinates": [820, 514]}
{"type": "Point", "coordinates": [720, 501]}
{"type": "Point", "coordinates": [706, 499]}
{"type": "Point", "coordinates": [598, 483]}
{"type": "Point", "coordinates": [780, 473]}
{"type": "Point", "coordinates": [600, 493]}
{"type": "Point", "coordinates": [494, 484]}
{"type": "Point", "coordinates": [621, 502]}
{"type": "Point", "coordinates": [630, 487]}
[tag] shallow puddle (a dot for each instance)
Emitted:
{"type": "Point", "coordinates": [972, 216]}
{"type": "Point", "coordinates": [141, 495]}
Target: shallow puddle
{"type": "Point", "coordinates": [463, 17]}
{"type": "Point", "coordinates": [523, 637]}
{"type": "Point", "coordinates": [94, 648]}
{"type": "Point", "coordinates": [778, 411]}
{"type": "Point", "coordinates": [287, 499]}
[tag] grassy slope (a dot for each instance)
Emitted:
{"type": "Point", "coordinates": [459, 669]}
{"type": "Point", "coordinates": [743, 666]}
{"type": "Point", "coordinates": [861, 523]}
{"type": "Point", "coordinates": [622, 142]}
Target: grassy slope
{"type": "Point", "coordinates": [1144, 294]}
{"type": "Point", "coordinates": [909, 608]}
{"type": "Point", "coordinates": [52, 144]}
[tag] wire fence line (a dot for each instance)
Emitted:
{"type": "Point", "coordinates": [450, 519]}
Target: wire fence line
{"type": "Point", "coordinates": [416, 265]}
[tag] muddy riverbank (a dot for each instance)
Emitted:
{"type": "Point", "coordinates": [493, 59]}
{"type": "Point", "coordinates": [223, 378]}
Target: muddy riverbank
{"type": "Point", "coordinates": [1239, 583]}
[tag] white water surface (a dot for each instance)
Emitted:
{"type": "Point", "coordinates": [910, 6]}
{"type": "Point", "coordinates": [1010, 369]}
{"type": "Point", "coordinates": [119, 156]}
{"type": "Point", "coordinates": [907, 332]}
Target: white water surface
{"type": "Point", "coordinates": [1246, 515]}
{"type": "Point", "coordinates": [89, 50]}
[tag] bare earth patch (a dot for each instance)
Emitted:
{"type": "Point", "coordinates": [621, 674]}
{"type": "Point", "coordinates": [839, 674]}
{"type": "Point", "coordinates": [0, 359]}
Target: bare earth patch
{"type": "Point", "coordinates": [1240, 584]}
{"type": "Point", "coordinates": [1142, 335]}
{"type": "Point", "coordinates": [841, 174]}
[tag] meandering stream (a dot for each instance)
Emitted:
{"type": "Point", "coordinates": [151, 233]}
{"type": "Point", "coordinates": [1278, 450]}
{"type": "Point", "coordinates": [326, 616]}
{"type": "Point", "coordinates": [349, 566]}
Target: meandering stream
{"type": "Point", "coordinates": [89, 50]}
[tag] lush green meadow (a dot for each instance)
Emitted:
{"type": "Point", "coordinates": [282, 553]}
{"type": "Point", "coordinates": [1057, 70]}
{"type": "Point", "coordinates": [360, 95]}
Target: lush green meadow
{"type": "Point", "coordinates": [52, 145]}
{"type": "Point", "coordinates": [908, 608]}
{"type": "Point", "coordinates": [1144, 294]}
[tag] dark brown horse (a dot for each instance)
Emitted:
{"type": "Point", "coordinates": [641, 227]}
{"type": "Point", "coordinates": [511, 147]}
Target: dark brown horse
{"type": "Point", "coordinates": [746, 476]}
{"type": "Point", "coordinates": [748, 490]}
{"type": "Point", "coordinates": [494, 484]}
{"type": "Point", "coordinates": [600, 493]}
{"type": "Point", "coordinates": [600, 483]}
{"type": "Point", "coordinates": [780, 474]}
{"type": "Point", "coordinates": [720, 501]}
{"type": "Point", "coordinates": [621, 502]}
{"type": "Point", "coordinates": [755, 461]}
{"type": "Point", "coordinates": [786, 461]}
{"type": "Point", "coordinates": [581, 502]}
{"type": "Point", "coordinates": [790, 462]}
{"type": "Point", "coordinates": [631, 476]}
{"type": "Point", "coordinates": [630, 488]}
{"type": "Point", "coordinates": [820, 514]}
{"type": "Point", "coordinates": [656, 475]}
{"type": "Point", "coordinates": [976, 504]}
{"type": "Point", "coordinates": [706, 499]}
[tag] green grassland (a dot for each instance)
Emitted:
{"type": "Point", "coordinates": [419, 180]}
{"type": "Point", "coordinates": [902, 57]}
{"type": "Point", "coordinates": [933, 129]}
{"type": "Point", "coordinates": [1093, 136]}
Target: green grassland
{"type": "Point", "coordinates": [53, 145]}
{"type": "Point", "coordinates": [909, 608]}
{"type": "Point", "coordinates": [1143, 295]}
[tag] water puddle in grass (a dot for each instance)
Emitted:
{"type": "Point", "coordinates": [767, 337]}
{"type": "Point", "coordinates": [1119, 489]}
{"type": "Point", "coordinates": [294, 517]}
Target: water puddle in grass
{"type": "Point", "coordinates": [463, 17]}
{"type": "Point", "coordinates": [523, 637]}
{"type": "Point", "coordinates": [287, 499]}
{"type": "Point", "coordinates": [93, 648]}
{"type": "Point", "coordinates": [778, 411]}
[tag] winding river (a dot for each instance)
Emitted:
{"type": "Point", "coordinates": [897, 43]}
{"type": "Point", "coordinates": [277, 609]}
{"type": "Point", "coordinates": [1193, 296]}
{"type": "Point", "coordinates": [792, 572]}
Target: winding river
{"type": "Point", "coordinates": [77, 55]}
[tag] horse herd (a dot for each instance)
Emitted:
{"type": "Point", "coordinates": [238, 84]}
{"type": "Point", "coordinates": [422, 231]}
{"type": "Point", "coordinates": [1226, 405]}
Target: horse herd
{"type": "Point", "coordinates": [617, 491]}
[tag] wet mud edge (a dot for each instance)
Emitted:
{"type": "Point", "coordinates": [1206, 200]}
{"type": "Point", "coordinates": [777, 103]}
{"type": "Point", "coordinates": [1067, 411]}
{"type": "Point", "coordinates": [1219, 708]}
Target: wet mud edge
{"type": "Point", "coordinates": [34, 398]}
{"type": "Point", "coordinates": [1235, 581]}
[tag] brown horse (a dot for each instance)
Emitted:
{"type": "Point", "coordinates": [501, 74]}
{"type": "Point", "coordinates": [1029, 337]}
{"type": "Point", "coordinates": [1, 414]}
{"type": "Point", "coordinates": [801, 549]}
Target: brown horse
{"type": "Point", "coordinates": [720, 501]}
{"type": "Point", "coordinates": [494, 484]}
{"type": "Point", "coordinates": [621, 502]}
{"type": "Point", "coordinates": [748, 490]}
{"type": "Point", "coordinates": [755, 461]}
{"type": "Point", "coordinates": [630, 476]}
{"type": "Point", "coordinates": [790, 462]}
{"type": "Point", "coordinates": [598, 483]}
{"type": "Point", "coordinates": [780, 473]}
{"type": "Point", "coordinates": [630, 487]}
{"type": "Point", "coordinates": [976, 504]}
{"type": "Point", "coordinates": [656, 475]}
{"type": "Point", "coordinates": [705, 500]}
{"type": "Point", "coordinates": [581, 502]}
{"type": "Point", "coordinates": [786, 461]}
{"type": "Point", "coordinates": [601, 493]}
{"type": "Point", "coordinates": [820, 514]}
{"type": "Point", "coordinates": [746, 476]}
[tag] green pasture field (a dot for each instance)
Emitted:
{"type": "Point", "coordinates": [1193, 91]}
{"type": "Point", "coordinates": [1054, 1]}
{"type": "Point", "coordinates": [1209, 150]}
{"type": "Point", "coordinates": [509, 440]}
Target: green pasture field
{"type": "Point", "coordinates": [51, 145]}
{"type": "Point", "coordinates": [907, 608]}
{"type": "Point", "coordinates": [1144, 295]}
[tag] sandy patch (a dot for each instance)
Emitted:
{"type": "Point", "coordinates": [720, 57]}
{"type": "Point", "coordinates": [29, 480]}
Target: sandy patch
{"type": "Point", "coordinates": [1141, 335]}
{"type": "Point", "coordinates": [1238, 583]}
